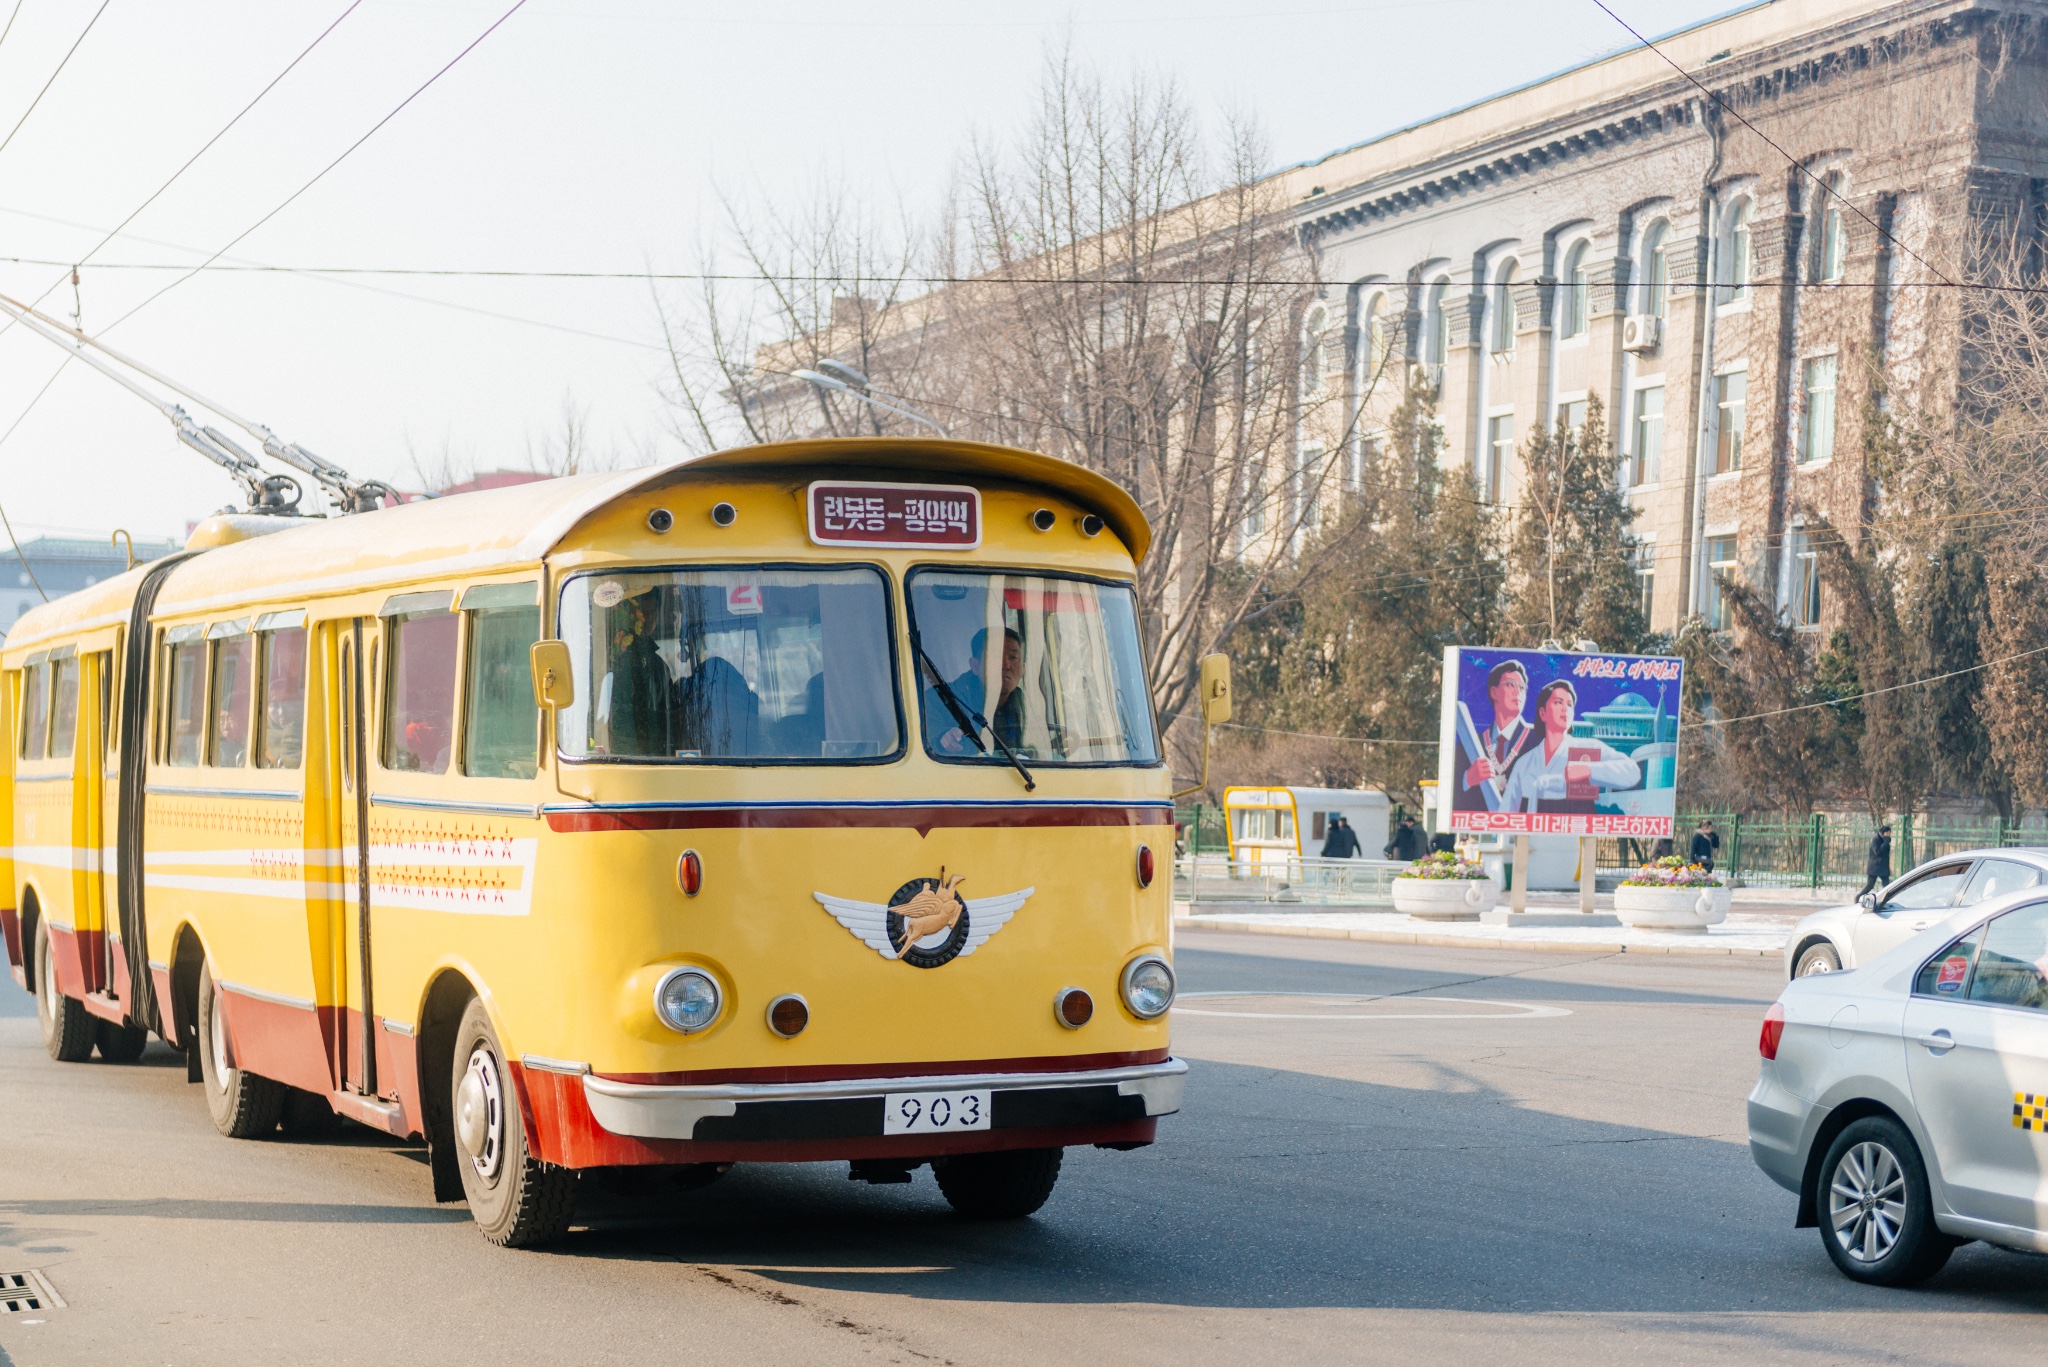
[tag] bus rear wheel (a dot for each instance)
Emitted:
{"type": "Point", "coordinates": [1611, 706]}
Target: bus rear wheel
{"type": "Point", "coordinates": [244, 1106]}
{"type": "Point", "coordinates": [999, 1186]}
{"type": "Point", "coordinates": [67, 1026]}
{"type": "Point", "coordinates": [120, 1043]}
{"type": "Point", "coordinates": [517, 1200]}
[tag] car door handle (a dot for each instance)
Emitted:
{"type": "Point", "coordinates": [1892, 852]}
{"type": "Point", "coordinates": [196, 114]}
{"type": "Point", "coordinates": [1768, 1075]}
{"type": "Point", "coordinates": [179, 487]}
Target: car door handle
{"type": "Point", "coordinates": [1920, 925]}
{"type": "Point", "coordinates": [1940, 1041]}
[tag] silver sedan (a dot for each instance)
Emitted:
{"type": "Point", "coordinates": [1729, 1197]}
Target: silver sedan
{"type": "Point", "coordinates": [1906, 1103]}
{"type": "Point", "coordinates": [1854, 933]}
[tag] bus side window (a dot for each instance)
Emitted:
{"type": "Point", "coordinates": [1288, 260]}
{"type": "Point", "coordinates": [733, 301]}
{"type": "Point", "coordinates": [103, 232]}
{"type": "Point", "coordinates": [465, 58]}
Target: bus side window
{"type": "Point", "coordinates": [184, 684]}
{"type": "Point", "coordinates": [106, 672]}
{"type": "Point", "coordinates": [227, 731]}
{"type": "Point", "coordinates": [348, 716]}
{"type": "Point", "coordinates": [419, 692]}
{"type": "Point", "coordinates": [35, 710]}
{"type": "Point", "coordinates": [281, 722]}
{"type": "Point", "coordinates": [63, 706]}
{"type": "Point", "coordinates": [501, 721]}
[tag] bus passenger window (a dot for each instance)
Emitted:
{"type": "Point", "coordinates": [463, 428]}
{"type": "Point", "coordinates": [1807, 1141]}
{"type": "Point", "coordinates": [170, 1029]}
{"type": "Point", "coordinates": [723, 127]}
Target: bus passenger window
{"type": "Point", "coordinates": [106, 672]}
{"type": "Point", "coordinates": [35, 710]}
{"type": "Point", "coordinates": [419, 692]}
{"type": "Point", "coordinates": [184, 699]}
{"type": "Point", "coordinates": [63, 706]}
{"type": "Point", "coordinates": [501, 723]}
{"type": "Point", "coordinates": [281, 726]}
{"type": "Point", "coordinates": [234, 660]}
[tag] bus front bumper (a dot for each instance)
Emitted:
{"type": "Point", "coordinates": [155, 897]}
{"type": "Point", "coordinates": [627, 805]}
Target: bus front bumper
{"type": "Point", "coordinates": [855, 1108]}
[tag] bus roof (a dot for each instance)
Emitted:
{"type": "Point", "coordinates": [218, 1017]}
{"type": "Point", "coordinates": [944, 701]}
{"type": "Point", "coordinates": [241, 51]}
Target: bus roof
{"type": "Point", "coordinates": [477, 533]}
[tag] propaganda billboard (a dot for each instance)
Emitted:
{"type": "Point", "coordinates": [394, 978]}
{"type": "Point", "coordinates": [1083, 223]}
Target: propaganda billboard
{"type": "Point", "coordinates": [1544, 742]}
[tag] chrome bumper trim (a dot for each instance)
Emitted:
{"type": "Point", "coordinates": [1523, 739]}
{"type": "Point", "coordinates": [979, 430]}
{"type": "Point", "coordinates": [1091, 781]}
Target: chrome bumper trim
{"type": "Point", "coordinates": [661, 1112]}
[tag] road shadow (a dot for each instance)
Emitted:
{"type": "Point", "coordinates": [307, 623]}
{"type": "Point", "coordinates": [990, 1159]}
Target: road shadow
{"type": "Point", "coordinates": [269, 1212]}
{"type": "Point", "coordinates": [1294, 1190]}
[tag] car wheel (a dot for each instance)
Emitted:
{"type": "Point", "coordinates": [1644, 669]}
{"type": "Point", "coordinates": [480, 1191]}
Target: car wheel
{"type": "Point", "coordinates": [1877, 1218]}
{"type": "Point", "coordinates": [67, 1028]}
{"type": "Point", "coordinates": [1820, 958]}
{"type": "Point", "coordinates": [517, 1200]}
{"type": "Point", "coordinates": [998, 1186]}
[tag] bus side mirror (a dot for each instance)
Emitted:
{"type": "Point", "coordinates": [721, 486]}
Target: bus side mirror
{"type": "Point", "coordinates": [1215, 689]}
{"type": "Point", "coordinates": [553, 684]}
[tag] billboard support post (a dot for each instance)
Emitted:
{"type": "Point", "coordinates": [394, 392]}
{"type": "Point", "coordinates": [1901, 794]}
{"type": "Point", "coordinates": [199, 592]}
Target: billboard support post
{"type": "Point", "coordinates": [1518, 896]}
{"type": "Point", "coordinates": [1589, 853]}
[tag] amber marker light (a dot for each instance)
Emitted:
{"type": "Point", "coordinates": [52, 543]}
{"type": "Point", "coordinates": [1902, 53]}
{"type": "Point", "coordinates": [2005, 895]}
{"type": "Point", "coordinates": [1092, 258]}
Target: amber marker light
{"type": "Point", "coordinates": [788, 1015]}
{"type": "Point", "coordinates": [1073, 1007]}
{"type": "Point", "coordinates": [690, 873]}
{"type": "Point", "coordinates": [1145, 866]}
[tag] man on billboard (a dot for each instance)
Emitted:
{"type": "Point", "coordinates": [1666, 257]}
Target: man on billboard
{"type": "Point", "coordinates": [1501, 743]}
{"type": "Point", "coordinates": [1561, 772]}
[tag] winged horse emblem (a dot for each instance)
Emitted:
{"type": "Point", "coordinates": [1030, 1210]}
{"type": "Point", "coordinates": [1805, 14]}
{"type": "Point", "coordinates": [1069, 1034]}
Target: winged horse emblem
{"type": "Point", "coordinates": [927, 922]}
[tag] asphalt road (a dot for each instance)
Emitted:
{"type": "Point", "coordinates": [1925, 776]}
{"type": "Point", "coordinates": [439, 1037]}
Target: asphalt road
{"type": "Point", "coordinates": [1529, 1157]}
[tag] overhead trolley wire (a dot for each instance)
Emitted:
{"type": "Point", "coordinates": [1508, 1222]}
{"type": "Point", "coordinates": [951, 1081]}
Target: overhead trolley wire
{"type": "Point", "coordinates": [53, 75]}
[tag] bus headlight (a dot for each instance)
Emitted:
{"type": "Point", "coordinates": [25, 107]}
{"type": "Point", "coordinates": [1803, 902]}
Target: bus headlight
{"type": "Point", "coordinates": [687, 999]}
{"type": "Point", "coordinates": [1148, 986]}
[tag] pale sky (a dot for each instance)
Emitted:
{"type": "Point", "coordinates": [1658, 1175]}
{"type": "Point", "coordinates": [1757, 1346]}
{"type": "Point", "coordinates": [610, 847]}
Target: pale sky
{"type": "Point", "coordinates": [582, 135]}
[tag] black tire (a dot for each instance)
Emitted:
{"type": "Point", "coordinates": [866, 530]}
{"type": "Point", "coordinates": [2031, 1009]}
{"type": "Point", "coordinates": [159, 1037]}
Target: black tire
{"type": "Point", "coordinates": [1820, 958]}
{"type": "Point", "coordinates": [999, 1186]}
{"type": "Point", "coordinates": [68, 1028]}
{"type": "Point", "coordinates": [517, 1200]}
{"type": "Point", "coordinates": [307, 1115]}
{"type": "Point", "coordinates": [244, 1106]}
{"type": "Point", "coordinates": [1876, 1216]}
{"type": "Point", "coordinates": [119, 1043]}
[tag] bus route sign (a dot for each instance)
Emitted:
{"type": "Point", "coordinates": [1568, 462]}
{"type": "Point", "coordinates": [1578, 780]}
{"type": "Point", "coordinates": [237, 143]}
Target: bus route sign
{"type": "Point", "coordinates": [895, 516]}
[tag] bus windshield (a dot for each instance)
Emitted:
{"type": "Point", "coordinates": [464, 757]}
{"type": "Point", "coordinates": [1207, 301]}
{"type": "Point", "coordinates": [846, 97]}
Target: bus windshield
{"type": "Point", "coordinates": [730, 665]}
{"type": "Point", "coordinates": [1071, 677]}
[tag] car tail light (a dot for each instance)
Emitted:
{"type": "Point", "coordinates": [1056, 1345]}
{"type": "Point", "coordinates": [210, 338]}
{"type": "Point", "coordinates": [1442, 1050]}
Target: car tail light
{"type": "Point", "coordinates": [1773, 1031]}
{"type": "Point", "coordinates": [1145, 866]}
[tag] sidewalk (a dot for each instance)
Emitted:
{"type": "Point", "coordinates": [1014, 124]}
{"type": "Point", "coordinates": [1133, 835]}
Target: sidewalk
{"type": "Point", "coordinates": [1755, 928]}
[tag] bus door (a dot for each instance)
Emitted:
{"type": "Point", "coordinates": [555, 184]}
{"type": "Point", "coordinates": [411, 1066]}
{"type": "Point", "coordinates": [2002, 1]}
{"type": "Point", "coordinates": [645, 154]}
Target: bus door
{"type": "Point", "coordinates": [352, 650]}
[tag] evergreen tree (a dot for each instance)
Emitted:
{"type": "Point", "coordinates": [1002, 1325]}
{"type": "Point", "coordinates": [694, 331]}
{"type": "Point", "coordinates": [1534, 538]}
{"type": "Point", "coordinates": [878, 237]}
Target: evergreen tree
{"type": "Point", "coordinates": [1573, 554]}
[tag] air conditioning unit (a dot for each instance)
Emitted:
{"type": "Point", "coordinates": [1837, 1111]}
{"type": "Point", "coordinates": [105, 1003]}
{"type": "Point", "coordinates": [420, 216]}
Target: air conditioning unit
{"type": "Point", "coordinates": [1641, 332]}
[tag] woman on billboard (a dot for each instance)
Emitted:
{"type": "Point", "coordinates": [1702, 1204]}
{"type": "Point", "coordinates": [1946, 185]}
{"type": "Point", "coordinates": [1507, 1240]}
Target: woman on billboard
{"type": "Point", "coordinates": [1563, 773]}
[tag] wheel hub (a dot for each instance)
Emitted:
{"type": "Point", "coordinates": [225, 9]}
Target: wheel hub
{"type": "Point", "coordinates": [479, 1116]}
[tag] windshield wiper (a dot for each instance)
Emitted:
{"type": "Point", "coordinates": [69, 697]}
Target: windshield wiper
{"type": "Point", "coordinates": [972, 723]}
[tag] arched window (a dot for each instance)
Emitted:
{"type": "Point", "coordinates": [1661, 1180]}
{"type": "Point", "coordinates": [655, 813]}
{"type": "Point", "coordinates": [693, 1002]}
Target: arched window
{"type": "Point", "coordinates": [1573, 308]}
{"type": "Point", "coordinates": [1654, 271]}
{"type": "Point", "coordinates": [1372, 339]}
{"type": "Point", "coordinates": [1833, 247]}
{"type": "Point", "coordinates": [1735, 254]}
{"type": "Point", "coordinates": [1315, 330]}
{"type": "Point", "coordinates": [1436, 323]}
{"type": "Point", "coordinates": [1504, 321]}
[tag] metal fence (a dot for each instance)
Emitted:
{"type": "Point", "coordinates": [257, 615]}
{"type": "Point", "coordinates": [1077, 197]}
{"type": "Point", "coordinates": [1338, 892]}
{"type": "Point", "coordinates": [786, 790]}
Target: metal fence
{"type": "Point", "coordinates": [1822, 851]}
{"type": "Point", "coordinates": [1302, 882]}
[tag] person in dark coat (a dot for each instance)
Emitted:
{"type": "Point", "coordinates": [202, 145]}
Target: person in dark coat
{"type": "Point", "coordinates": [1340, 842]}
{"type": "Point", "coordinates": [1407, 841]}
{"type": "Point", "coordinates": [1877, 869]}
{"type": "Point", "coordinates": [1706, 843]}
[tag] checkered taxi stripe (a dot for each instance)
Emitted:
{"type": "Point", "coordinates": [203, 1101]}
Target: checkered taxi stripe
{"type": "Point", "coordinates": [2030, 1111]}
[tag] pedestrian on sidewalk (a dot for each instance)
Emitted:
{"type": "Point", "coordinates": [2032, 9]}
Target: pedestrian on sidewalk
{"type": "Point", "coordinates": [1706, 843]}
{"type": "Point", "coordinates": [1342, 841]}
{"type": "Point", "coordinates": [1877, 869]}
{"type": "Point", "coordinates": [1407, 842]}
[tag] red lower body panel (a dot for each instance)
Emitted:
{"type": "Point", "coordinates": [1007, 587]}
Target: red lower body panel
{"type": "Point", "coordinates": [10, 934]}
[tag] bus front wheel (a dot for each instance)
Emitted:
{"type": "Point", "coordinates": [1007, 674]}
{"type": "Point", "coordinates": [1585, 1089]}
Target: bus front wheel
{"type": "Point", "coordinates": [998, 1186]}
{"type": "Point", "coordinates": [67, 1027]}
{"type": "Point", "coordinates": [517, 1200]}
{"type": "Point", "coordinates": [244, 1106]}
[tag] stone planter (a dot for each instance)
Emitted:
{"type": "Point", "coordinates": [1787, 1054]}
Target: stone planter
{"type": "Point", "coordinates": [1681, 909]}
{"type": "Point", "coordinates": [1445, 899]}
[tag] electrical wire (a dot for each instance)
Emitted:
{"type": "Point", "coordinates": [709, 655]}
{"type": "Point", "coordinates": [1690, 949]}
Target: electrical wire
{"type": "Point", "coordinates": [321, 174]}
{"type": "Point", "coordinates": [10, 20]}
{"type": "Point", "coordinates": [19, 419]}
{"type": "Point", "coordinates": [53, 75]}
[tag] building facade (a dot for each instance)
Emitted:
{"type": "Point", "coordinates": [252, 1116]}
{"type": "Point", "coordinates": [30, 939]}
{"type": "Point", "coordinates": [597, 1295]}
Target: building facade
{"type": "Point", "coordinates": [1739, 252]}
{"type": "Point", "coordinates": [61, 565]}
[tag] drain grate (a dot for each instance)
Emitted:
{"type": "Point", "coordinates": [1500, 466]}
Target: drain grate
{"type": "Point", "coordinates": [30, 1290]}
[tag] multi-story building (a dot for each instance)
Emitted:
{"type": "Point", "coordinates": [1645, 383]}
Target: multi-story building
{"type": "Point", "coordinates": [1738, 241]}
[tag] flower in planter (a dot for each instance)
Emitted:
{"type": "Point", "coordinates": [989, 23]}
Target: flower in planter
{"type": "Point", "coordinates": [1443, 865]}
{"type": "Point", "coordinates": [1671, 872]}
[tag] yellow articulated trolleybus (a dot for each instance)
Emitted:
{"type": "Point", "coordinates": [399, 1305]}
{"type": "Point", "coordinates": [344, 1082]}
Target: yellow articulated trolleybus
{"type": "Point", "coordinates": [801, 802]}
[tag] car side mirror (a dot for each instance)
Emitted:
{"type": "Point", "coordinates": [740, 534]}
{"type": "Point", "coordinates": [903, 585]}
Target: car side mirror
{"type": "Point", "coordinates": [1215, 689]}
{"type": "Point", "coordinates": [1868, 901]}
{"type": "Point", "coordinates": [553, 683]}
